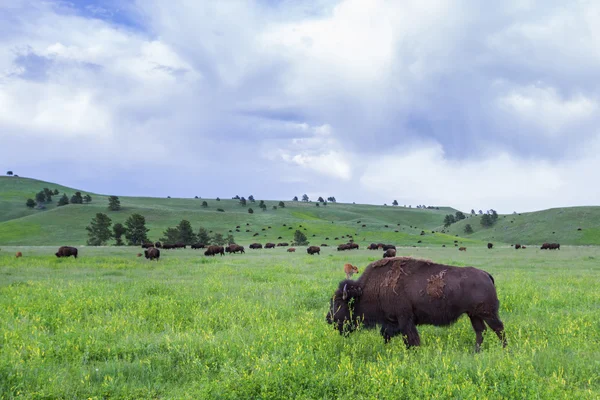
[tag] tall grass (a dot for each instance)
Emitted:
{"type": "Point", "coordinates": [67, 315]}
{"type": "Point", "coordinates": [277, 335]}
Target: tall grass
{"type": "Point", "coordinates": [253, 326]}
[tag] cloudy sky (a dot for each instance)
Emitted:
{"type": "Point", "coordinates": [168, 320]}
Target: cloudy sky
{"type": "Point", "coordinates": [464, 103]}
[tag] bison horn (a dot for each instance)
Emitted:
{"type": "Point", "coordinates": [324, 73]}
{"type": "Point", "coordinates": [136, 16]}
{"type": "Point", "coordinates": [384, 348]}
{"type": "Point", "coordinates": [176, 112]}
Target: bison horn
{"type": "Point", "coordinates": [345, 293]}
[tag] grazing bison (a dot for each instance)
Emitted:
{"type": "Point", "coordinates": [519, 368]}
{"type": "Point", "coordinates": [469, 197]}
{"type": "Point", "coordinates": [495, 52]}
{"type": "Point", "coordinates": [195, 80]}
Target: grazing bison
{"type": "Point", "coordinates": [462, 249]}
{"type": "Point", "coordinates": [372, 246]}
{"type": "Point", "coordinates": [18, 254]}
{"type": "Point", "coordinates": [158, 245]}
{"type": "Point", "coordinates": [291, 250]}
{"type": "Point", "coordinates": [270, 246]}
{"type": "Point", "coordinates": [389, 253]}
{"type": "Point", "coordinates": [523, 247]}
{"type": "Point", "coordinates": [550, 246]}
{"type": "Point", "coordinates": [196, 246]}
{"type": "Point", "coordinates": [147, 245]}
{"type": "Point", "coordinates": [139, 254]}
{"type": "Point", "coordinates": [388, 246]}
{"type": "Point", "coordinates": [314, 250]}
{"type": "Point", "coordinates": [517, 246]}
{"type": "Point", "coordinates": [66, 251]}
{"type": "Point", "coordinates": [324, 245]}
{"type": "Point", "coordinates": [284, 244]}
{"type": "Point", "coordinates": [234, 248]}
{"type": "Point", "coordinates": [255, 246]}
{"type": "Point", "coordinates": [350, 270]}
{"type": "Point", "coordinates": [214, 250]}
{"type": "Point", "coordinates": [343, 247]}
{"type": "Point", "coordinates": [490, 245]}
{"type": "Point", "coordinates": [152, 253]}
{"type": "Point", "coordinates": [400, 293]}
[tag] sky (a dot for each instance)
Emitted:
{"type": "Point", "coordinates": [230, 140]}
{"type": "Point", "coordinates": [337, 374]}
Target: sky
{"type": "Point", "coordinates": [468, 104]}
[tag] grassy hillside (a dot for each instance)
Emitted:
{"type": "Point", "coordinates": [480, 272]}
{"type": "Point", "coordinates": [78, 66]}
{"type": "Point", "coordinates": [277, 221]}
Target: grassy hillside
{"type": "Point", "coordinates": [554, 225]}
{"type": "Point", "coordinates": [62, 225]}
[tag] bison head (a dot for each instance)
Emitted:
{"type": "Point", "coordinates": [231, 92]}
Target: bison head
{"type": "Point", "coordinates": [341, 307]}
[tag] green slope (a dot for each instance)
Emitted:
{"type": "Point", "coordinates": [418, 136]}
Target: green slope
{"type": "Point", "coordinates": [554, 225]}
{"type": "Point", "coordinates": [66, 225]}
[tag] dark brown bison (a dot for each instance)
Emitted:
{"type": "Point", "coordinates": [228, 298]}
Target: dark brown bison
{"type": "Point", "coordinates": [291, 250]}
{"type": "Point", "coordinates": [401, 293]}
{"type": "Point", "coordinates": [152, 253]}
{"type": "Point", "coordinates": [389, 253]}
{"type": "Point", "coordinates": [550, 246]}
{"type": "Point", "coordinates": [235, 248]}
{"type": "Point", "coordinates": [324, 245]}
{"type": "Point", "coordinates": [490, 245]}
{"type": "Point", "coordinates": [147, 245]}
{"type": "Point", "coordinates": [350, 270]}
{"type": "Point", "coordinates": [18, 254]}
{"type": "Point", "coordinates": [66, 251]}
{"type": "Point", "coordinates": [196, 246]}
{"type": "Point", "coordinates": [517, 246]}
{"type": "Point", "coordinates": [372, 246]}
{"type": "Point", "coordinates": [388, 246]}
{"type": "Point", "coordinates": [270, 246]}
{"type": "Point", "coordinates": [343, 247]}
{"type": "Point", "coordinates": [255, 246]}
{"type": "Point", "coordinates": [214, 250]}
{"type": "Point", "coordinates": [158, 245]}
{"type": "Point", "coordinates": [462, 249]}
{"type": "Point", "coordinates": [353, 246]}
{"type": "Point", "coordinates": [283, 244]}
{"type": "Point", "coordinates": [314, 250]}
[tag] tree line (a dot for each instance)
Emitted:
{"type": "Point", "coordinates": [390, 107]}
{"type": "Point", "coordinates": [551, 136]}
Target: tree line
{"type": "Point", "coordinates": [45, 195]}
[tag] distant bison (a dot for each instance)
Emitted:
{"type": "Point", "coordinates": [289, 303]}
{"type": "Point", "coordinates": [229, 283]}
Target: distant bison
{"type": "Point", "coordinates": [196, 246]}
{"type": "Point", "coordinates": [324, 245]}
{"type": "Point", "coordinates": [350, 270]}
{"type": "Point", "coordinates": [400, 293]}
{"type": "Point", "coordinates": [372, 246]}
{"type": "Point", "coordinates": [147, 245]}
{"type": "Point", "coordinates": [284, 244]}
{"type": "Point", "coordinates": [158, 245]}
{"type": "Point", "coordinates": [517, 246]}
{"type": "Point", "coordinates": [314, 250]}
{"type": "Point", "coordinates": [214, 250]}
{"type": "Point", "coordinates": [462, 249]}
{"type": "Point", "coordinates": [255, 246]}
{"type": "Point", "coordinates": [152, 253]}
{"type": "Point", "coordinates": [234, 248]}
{"type": "Point", "coordinates": [270, 246]}
{"type": "Point", "coordinates": [490, 245]}
{"type": "Point", "coordinates": [18, 254]}
{"type": "Point", "coordinates": [291, 250]}
{"type": "Point", "coordinates": [550, 246]}
{"type": "Point", "coordinates": [66, 251]}
{"type": "Point", "coordinates": [389, 253]}
{"type": "Point", "coordinates": [139, 254]}
{"type": "Point", "coordinates": [388, 246]}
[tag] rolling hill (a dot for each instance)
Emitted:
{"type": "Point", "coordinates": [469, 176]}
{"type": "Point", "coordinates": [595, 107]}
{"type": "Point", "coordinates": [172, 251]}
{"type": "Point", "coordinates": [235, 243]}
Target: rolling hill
{"type": "Point", "coordinates": [66, 225]}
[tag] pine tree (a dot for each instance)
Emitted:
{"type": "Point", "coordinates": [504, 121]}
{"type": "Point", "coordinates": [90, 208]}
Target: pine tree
{"type": "Point", "coordinates": [99, 230]}
{"type": "Point", "coordinates": [170, 236]}
{"type": "Point", "coordinates": [118, 232]}
{"type": "Point", "coordinates": [63, 201]}
{"type": "Point", "coordinates": [395, 202]}
{"type": "Point", "coordinates": [218, 239]}
{"type": "Point", "coordinates": [186, 233]}
{"type": "Point", "coordinates": [87, 199]}
{"type": "Point", "coordinates": [300, 239]}
{"type": "Point", "coordinates": [281, 204]}
{"type": "Point", "coordinates": [250, 211]}
{"type": "Point", "coordinates": [203, 236]}
{"type": "Point", "coordinates": [204, 204]}
{"type": "Point", "coordinates": [243, 202]}
{"type": "Point", "coordinates": [468, 229]}
{"type": "Point", "coordinates": [40, 197]}
{"type": "Point", "coordinates": [30, 203]}
{"type": "Point", "coordinates": [49, 193]}
{"type": "Point", "coordinates": [114, 204]}
{"type": "Point", "coordinates": [136, 230]}
{"type": "Point", "coordinates": [77, 198]}
{"type": "Point", "coordinates": [251, 199]}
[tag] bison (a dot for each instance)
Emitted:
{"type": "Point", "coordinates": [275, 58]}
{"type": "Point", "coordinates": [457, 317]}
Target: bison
{"type": "Point", "coordinates": [214, 250]}
{"type": "Point", "coordinates": [517, 246]}
{"type": "Point", "coordinates": [550, 246]}
{"type": "Point", "coordinates": [372, 246]}
{"type": "Point", "coordinates": [291, 250]}
{"type": "Point", "coordinates": [152, 253]}
{"type": "Point", "coordinates": [18, 254]}
{"type": "Point", "coordinates": [389, 253]}
{"type": "Point", "coordinates": [158, 245]}
{"type": "Point", "coordinates": [196, 246]}
{"type": "Point", "coordinates": [270, 246]}
{"type": "Point", "coordinates": [283, 244]}
{"type": "Point", "coordinates": [490, 245]}
{"type": "Point", "coordinates": [235, 248]}
{"type": "Point", "coordinates": [462, 249]}
{"type": "Point", "coordinates": [147, 245]}
{"type": "Point", "coordinates": [66, 251]}
{"type": "Point", "coordinates": [255, 246]}
{"type": "Point", "coordinates": [388, 246]}
{"type": "Point", "coordinates": [401, 293]}
{"type": "Point", "coordinates": [314, 250]}
{"type": "Point", "coordinates": [139, 254]}
{"type": "Point", "coordinates": [350, 269]}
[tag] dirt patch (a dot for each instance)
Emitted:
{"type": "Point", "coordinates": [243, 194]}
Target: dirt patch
{"type": "Point", "coordinates": [436, 284]}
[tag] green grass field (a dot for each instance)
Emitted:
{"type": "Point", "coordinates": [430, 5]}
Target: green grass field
{"type": "Point", "coordinates": [253, 327]}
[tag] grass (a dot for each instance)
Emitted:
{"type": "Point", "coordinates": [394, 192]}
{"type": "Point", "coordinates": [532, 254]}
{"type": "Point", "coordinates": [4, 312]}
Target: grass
{"type": "Point", "coordinates": [253, 326]}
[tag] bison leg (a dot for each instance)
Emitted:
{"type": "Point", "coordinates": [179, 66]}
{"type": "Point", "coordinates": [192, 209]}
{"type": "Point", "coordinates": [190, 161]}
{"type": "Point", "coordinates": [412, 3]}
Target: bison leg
{"type": "Point", "coordinates": [407, 328]}
{"type": "Point", "coordinates": [479, 328]}
{"type": "Point", "coordinates": [497, 326]}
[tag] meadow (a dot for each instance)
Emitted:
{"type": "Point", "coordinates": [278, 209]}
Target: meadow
{"type": "Point", "coordinates": [253, 326]}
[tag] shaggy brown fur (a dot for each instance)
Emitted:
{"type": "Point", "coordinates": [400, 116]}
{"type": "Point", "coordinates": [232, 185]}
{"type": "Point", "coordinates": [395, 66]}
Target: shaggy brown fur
{"type": "Point", "coordinates": [314, 250]}
{"type": "Point", "coordinates": [401, 293]}
{"type": "Point", "coordinates": [462, 249]}
{"type": "Point", "coordinates": [152, 253]}
{"type": "Point", "coordinates": [214, 250]}
{"type": "Point", "coordinates": [389, 253]}
{"type": "Point", "coordinates": [291, 250]}
{"type": "Point", "coordinates": [19, 254]}
{"type": "Point", "coordinates": [66, 251]}
{"type": "Point", "coordinates": [350, 270]}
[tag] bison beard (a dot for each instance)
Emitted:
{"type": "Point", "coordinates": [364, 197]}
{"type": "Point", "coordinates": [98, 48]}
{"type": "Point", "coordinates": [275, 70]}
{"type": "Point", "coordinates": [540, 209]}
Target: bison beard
{"type": "Point", "coordinates": [401, 293]}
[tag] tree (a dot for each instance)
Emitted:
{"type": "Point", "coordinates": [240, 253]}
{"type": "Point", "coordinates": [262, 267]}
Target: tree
{"type": "Point", "coordinates": [480, 212]}
{"type": "Point", "coordinates": [494, 216]}
{"type": "Point", "coordinates": [395, 202]}
{"type": "Point", "coordinates": [218, 199]}
{"type": "Point", "coordinates": [237, 197]}
{"type": "Point", "coordinates": [472, 212]}
{"type": "Point", "coordinates": [49, 193]}
{"type": "Point", "coordinates": [460, 215]}
{"type": "Point", "coordinates": [63, 201]}
{"type": "Point", "coordinates": [87, 199]}
{"type": "Point", "coordinates": [274, 207]}
{"type": "Point", "coordinates": [56, 192]}
{"type": "Point", "coordinates": [77, 198]}
{"type": "Point", "coordinates": [305, 198]}
{"type": "Point", "coordinates": [136, 230]}
{"type": "Point", "coordinates": [218, 239]}
{"type": "Point", "coordinates": [262, 205]}
{"type": "Point", "coordinates": [486, 220]}
{"type": "Point", "coordinates": [250, 211]}
{"type": "Point", "coordinates": [203, 236]}
{"type": "Point", "coordinates": [320, 199]}
{"type": "Point", "coordinates": [317, 204]}
{"type": "Point", "coordinates": [331, 199]}
{"type": "Point", "coordinates": [40, 197]}
{"type": "Point", "coordinates": [30, 203]}
{"type": "Point", "coordinates": [114, 204]}
{"type": "Point", "coordinates": [204, 204]}
{"type": "Point", "coordinates": [251, 199]}
{"type": "Point", "coordinates": [9, 173]}
{"type": "Point", "coordinates": [186, 233]}
{"type": "Point", "coordinates": [281, 204]}
{"type": "Point", "coordinates": [468, 229]}
{"type": "Point", "coordinates": [300, 239]}
{"type": "Point", "coordinates": [118, 231]}
{"type": "Point", "coordinates": [230, 239]}
{"type": "Point", "coordinates": [170, 236]}
{"type": "Point", "coordinates": [449, 220]}
{"type": "Point", "coordinates": [99, 230]}
{"type": "Point", "coordinates": [243, 202]}
{"type": "Point", "coordinates": [295, 198]}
